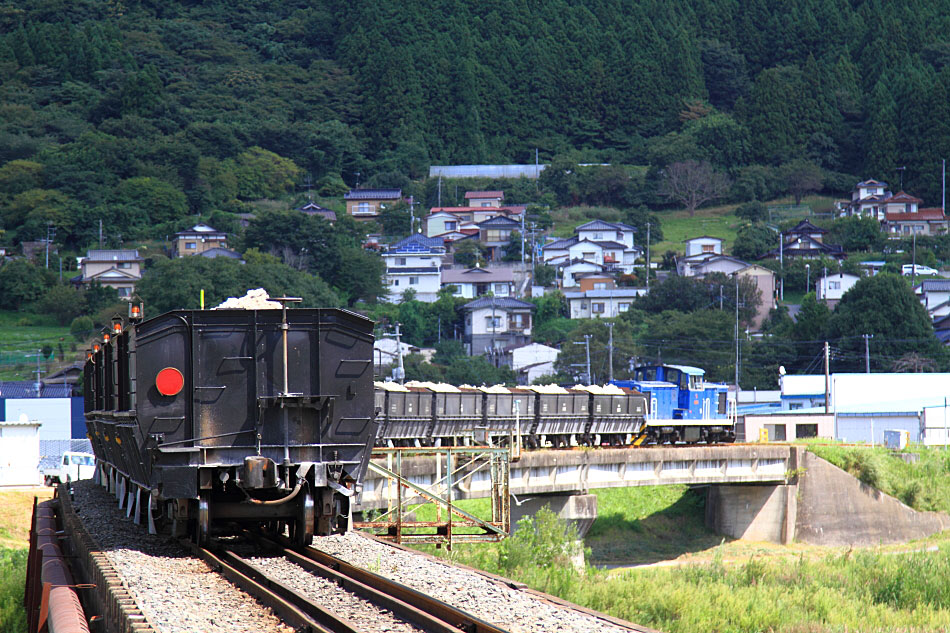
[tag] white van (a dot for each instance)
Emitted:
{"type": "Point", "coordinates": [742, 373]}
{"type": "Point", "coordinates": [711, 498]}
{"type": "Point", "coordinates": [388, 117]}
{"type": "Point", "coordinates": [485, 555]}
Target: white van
{"type": "Point", "coordinates": [72, 467]}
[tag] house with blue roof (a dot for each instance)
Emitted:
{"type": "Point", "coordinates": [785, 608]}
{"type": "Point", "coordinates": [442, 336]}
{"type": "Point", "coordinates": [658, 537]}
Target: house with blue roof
{"type": "Point", "coordinates": [414, 263]}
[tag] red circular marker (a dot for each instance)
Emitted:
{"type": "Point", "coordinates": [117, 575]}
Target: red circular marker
{"type": "Point", "coordinates": [169, 381]}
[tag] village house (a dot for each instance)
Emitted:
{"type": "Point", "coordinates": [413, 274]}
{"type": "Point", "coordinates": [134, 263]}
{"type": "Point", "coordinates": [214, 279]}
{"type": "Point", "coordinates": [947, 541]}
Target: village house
{"type": "Point", "coordinates": [605, 303]}
{"type": "Point", "coordinates": [365, 204]}
{"type": "Point", "coordinates": [530, 361]}
{"type": "Point", "coordinates": [698, 251]}
{"type": "Point", "coordinates": [198, 239]}
{"type": "Point", "coordinates": [867, 200]}
{"type": "Point", "coordinates": [830, 288]}
{"type": "Point", "coordinates": [930, 221]}
{"type": "Point", "coordinates": [805, 241]}
{"type": "Point", "coordinates": [485, 198]}
{"type": "Point", "coordinates": [495, 234]}
{"type": "Point", "coordinates": [312, 208]}
{"type": "Point", "coordinates": [119, 269]}
{"type": "Point", "coordinates": [476, 282]}
{"type": "Point", "coordinates": [935, 296]}
{"type": "Point", "coordinates": [596, 247]}
{"type": "Point", "coordinates": [495, 323]}
{"type": "Point", "coordinates": [414, 263]}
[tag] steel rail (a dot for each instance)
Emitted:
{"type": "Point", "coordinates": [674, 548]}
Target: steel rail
{"type": "Point", "coordinates": [423, 610]}
{"type": "Point", "coordinates": [290, 606]}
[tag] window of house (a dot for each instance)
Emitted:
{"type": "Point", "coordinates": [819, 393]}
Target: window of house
{"type": "Point", "coordinates": [400, 261]}
{"type": "Point", "coordinates": [872, 190]}
{"type": "Point", "coordinates": [623, 307]}
{"type": "Point", "coordinates": [492, 322]}
{"type": "Point", "coordinates": [125, 292]}
{"type": "Point", "coordinates": [395, 282]}
{"type": "Point", "coordinates": [363, 207]}
{"type": "Point", "coordinates": [501, 289]}
{"type": "Point", "coordinates": [600, 285]}
{"type": "Point", "coordinates": [794, 405]}
{"type": "Point", "coordinates": [834, 285]}
{"type": "Point", "coordinates": [583, 305]}
{"type": "Point", "coordinates": [709, 248]}
{"type": "Point", "coordinates": [597, 308]}
{"type": "Point", "coordinates": [189, 246]}
{"type": "Point", "coordinates": [589, 256]}
{"type": "Point", "coordinates": [486, 204]}
{"type": "Point", "coordinates": [451, 226]}
{"type": "Point", "coordinates": [413, 281]}
{"type": "Point", "coordinates": [496, 235]}
{"type": "Point", "coordinates": [519, 321]}
{"type": "Point", "coordinates": [125, 264]}
{"type": "Point", "coordinates": [598, 236]}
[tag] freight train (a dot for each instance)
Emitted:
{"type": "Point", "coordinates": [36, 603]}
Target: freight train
{"type": "Point", "coordinates": [207, 418]}
{"type": "Point", "coordinates": [662, 404]}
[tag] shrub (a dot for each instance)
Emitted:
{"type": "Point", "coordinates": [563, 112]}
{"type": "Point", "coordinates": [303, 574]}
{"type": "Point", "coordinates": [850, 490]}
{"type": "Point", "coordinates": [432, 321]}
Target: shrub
{"type": "Point", "coordinates": [81, 328]}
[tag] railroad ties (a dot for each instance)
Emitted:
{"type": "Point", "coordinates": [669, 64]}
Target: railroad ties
{"type": "Point", "coordinates": [259, 581]}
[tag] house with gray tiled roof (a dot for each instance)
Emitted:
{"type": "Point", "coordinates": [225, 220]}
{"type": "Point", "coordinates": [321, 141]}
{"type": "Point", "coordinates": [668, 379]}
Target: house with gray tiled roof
{"type": "Point", "coordinates": [605, 246]}
{"type": "Point", "coordinates": [365, 204]}
{"type": "Point", "coordinates": [495, 323]}
{"type": "Point", "coordinates": [119, 269]}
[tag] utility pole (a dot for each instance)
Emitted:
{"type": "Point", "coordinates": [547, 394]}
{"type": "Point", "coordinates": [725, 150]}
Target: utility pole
{"type": "Point", "coordinates": [781, 265]}
{"type": "Point", "coordinates": [50, 234]}
{"type": "Point", "coordinates": [439, 203]}
{"type": "Point", "coordinates": [943, 187]}
{"type": "Point", "coordinates": [737, 334]}
{"type": "Point", "coordinates": [523, 213]}
{"type": "Point", "coordinates": [648, 258]}
{"type": "Point", "coordinates": [867, 352]}
{"type": "Point", "coordinates": [913, 274]}
{"type": "Point", "coordinates": [100, 233]}
{"type": "Point", "coordinates": [586, 365]}
{"type": "Point", "coordinates": [412, 214]}
{"type": "Point", "coordinates": [402, 370]}
{"type": "Point", "coordinates": [827, 378]}
{"type": "Point", "coordinates": [610, 352]}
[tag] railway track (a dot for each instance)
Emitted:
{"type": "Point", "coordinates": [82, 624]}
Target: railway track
{"type": "Point", "coordinates": [307, 613]}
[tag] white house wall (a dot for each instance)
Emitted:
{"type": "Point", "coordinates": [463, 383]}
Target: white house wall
{"type": "Point", "coordinates": [19, 455]}
{"type": "Point", "coordinates": [54, 414]}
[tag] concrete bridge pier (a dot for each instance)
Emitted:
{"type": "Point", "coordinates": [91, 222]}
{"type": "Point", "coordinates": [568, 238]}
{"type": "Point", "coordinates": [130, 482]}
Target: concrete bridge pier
{"type": "Point", "coordinates": [579, 508]}
{"type": "Point", "coordinates": [753, 512]}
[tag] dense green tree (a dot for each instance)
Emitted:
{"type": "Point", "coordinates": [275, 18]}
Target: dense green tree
{"type": "Point", "coordinates": [885, 307]}
{"type": "Point", "coordinates": [154, 199]}
{"type": "Point", "coordinates": [174, 284]}
{"type": "Point", "coordinates": [263, 174]}
{"type": "Point", "coordinates": [21, 283]}
{"type": "Point", "coordinates": [754, 240]}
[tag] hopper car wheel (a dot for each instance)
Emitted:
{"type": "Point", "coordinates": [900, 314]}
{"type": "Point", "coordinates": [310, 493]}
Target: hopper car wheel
{"type": "Point", "coordinates": [304, 525]}
{"type": "Point", "coordinates": [203, 526]}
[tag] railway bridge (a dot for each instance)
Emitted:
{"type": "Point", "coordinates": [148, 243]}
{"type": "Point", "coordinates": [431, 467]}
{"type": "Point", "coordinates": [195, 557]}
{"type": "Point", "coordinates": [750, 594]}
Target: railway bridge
{"type": "Point", "coordinates": [762, 492]}
{"type": "Point", "coordinates": [755, 484]}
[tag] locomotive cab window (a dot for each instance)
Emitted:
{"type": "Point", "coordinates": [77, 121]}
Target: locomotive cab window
{"type": "Point", "coordinates": [695, 383]}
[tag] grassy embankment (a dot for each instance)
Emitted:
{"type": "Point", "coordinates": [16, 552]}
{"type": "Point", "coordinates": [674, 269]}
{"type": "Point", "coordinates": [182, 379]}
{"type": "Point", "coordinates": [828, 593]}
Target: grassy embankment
{"type": "Point", "coordinates": [717, 585]}
{"type": "Point", "coordinates": [15, 513]}
{"type": "Point", "coordinates": [22, 336]}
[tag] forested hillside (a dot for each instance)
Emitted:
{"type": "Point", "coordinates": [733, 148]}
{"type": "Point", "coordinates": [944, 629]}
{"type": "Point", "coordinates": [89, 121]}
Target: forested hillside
{"type": "Point", "coordinates": [138, 113]}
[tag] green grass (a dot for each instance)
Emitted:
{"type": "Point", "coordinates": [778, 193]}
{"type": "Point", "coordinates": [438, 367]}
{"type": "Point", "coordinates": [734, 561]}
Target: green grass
{"type": "Point", "coordinates": [923, 486]}
{"type": "Point", "coordinates": [21, 335]}
{"type": "Point", "coordinates": [12, 582]}
{"type": "Point", "coordinates": [647, 524]}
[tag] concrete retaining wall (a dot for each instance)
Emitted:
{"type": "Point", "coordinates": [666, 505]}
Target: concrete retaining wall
{"type": "Point", "coordinates": [823, 505]}
{"type": "Point", "coordinates": [837, 509]}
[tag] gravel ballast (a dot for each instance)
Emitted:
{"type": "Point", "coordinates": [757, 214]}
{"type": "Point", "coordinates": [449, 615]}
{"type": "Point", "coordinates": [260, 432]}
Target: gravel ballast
{"type": "Point", "coordinates": [329, 595]}
{"type": "Point", "coordinates": [176, 592]}
{"type": "Point", "coordinates": [502, 606]}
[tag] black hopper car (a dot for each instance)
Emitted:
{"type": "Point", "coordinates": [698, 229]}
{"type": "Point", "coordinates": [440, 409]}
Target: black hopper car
{"type": "Point", "coordinates": [215, 418]}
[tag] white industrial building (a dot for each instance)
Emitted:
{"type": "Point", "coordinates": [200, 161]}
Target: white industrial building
{"type": "Point", "coordinates": [864, 406]}
{"type": "Point", "coordinates": [20, 452]}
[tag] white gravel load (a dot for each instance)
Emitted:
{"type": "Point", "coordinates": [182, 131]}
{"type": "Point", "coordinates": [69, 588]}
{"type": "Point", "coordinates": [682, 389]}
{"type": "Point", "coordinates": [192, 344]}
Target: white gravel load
{"type": "Point", "coordinates": [256, 299]}
{"type": "Point", "coordinates": [177, 592]}
{"type": "Point", "coordinates": [497, 604]}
